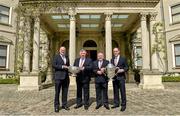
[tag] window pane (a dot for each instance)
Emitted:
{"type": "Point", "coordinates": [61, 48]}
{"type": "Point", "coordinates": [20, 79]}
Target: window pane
{"type": "Point", "coordinates": [2, 62]}
{"type": "Point", "coordinates": [177, 61]}
{"type": "Point", "coordinates": [4, 19]}
{"type": "Point", "coordinates": [176, 9]}
{"type": "Point", "coordinates": [3, 50]}
{"type": "Point", "coordinates": [4, 10]}
{"type": "Point", "coordinates": [139, 61]}
{"type": "Point", "coordinates": [176, 18]}
{"type": "Point", "coordinates": [177, 49]}
{"type": "Point", "coordinates": [139, 51]}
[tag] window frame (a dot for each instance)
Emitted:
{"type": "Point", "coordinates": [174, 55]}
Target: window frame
{"type": "Point", "coordinates": [177, 66]}
{"type": "Point", "coordinates": [9, 15]}
{"type": "Point", "coordinates": [7, 56]}
{"type": "Point", "coordinates": [171, 14]}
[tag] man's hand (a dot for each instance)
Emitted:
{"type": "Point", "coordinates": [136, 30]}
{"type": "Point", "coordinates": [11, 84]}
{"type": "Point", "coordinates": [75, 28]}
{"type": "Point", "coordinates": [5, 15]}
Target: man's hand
{"type": "Point", "coordinates": [120, 70]}
{"type": "Point", "coordinates": [65, 67]}
{"type": "Point", "coordinates": [81, 68]}
{"type": "Point", "coordinates": [103, 70]}
{"type": "Point", "coordinates": [99, 72]}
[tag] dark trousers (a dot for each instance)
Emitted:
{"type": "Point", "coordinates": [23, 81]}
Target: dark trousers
{"type": "Point", "coordinates": [119, 85]}
{"type": "Point", "coordinates": [64, 84]}
{"type": "Point", "coordinates": [101, 93]}
{"type": "Point", "coordinates": [82, 88]}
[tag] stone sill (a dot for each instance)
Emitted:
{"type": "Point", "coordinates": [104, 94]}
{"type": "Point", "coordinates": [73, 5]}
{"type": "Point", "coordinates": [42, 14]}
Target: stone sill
{"type": "Point", "coordinates": [9, 25]}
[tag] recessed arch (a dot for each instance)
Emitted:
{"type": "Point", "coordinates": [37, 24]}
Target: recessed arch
{"type": "Point", "coordinates": [89, 43]}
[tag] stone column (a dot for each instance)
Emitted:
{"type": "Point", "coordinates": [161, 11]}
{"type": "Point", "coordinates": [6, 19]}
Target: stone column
{"type": "Point", "coordinates": [36, 45]}
{"type": "Point", "coordinates": [108, 36]}
{"type": "Point", "coordinates": [72, 43]}
{"type": "Point", "coordinates": [154, 58]}
{"type": "Point", "coordinates": [149, 78]}
{"type": "Point", "coordinates": [72, 37]}
{"type": "Point", "coordinates": [31, 80]}
{"type": "Point", "coordinates": [145, 43]}
{"type": "Point", "coordinates": [27, 47]}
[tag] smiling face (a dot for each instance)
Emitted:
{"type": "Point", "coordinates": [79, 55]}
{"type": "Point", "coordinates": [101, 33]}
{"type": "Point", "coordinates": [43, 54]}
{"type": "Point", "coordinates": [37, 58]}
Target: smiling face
{"type": "Point", "coordinates": [62, 50]}
{"type": "Point", "coordinates": [100, 56]}
{"type": "Point", "coordinates": [82, 53]}
{"type": "Point", "coordinates": [116, 52]}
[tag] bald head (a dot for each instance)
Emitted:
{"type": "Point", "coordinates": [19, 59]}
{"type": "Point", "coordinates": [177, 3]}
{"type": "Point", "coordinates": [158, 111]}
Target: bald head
{"type": "Point", "coordinates": [100, 56]}
{"type": "Point", "coordinates": [62, 50]}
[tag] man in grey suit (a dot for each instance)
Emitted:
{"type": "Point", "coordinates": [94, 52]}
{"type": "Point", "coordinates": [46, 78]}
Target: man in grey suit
{"type": "Point", "coordinates": [60, 65]}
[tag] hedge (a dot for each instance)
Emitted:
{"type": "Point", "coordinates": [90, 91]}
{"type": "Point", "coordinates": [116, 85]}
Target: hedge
{"type": "Point", "coordinates": [9, 81]}
{"type": "Point", "coordinates": [171, 78]}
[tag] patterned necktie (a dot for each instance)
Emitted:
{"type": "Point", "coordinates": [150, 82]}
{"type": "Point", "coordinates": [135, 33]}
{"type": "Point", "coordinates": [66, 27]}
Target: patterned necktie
{"type": "Point", "coordinates": [100, 64]}
{"type": "Point", "coordinates": [81, 62]}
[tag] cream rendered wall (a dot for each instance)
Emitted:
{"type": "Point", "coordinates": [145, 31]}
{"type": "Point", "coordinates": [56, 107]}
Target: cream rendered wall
{"type": "Point", "coordinates": [171, 31]}
{"type": "Point", "coordinates": [9, 31]}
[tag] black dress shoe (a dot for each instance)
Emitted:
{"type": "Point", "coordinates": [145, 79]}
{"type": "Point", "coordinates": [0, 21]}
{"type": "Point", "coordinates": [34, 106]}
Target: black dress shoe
{"type": "Point", "coordinates": [114, 107]}
{"type": "Point", "coordinates": [77, 106]}
{"type": "Point", "coordinates": [123, 108]}
{"type": "Point", "coordinates": [98, 106]}
{"type": "Point", "coordinates": [86, 107]}
{"type": "Point", "coordinates": [56, 109]}
{"type": "Point", "coordinates": [65, 107]}
{"type": "Point", "coordinates": [107, 107]}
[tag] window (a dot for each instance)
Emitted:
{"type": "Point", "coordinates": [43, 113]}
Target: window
{"type": "Point", "coordinates": [3, 56]}
{"type": "Point", "coordinates": [175, 12]}
{"type": "Point", "coordinates": [4, 14]}
{"type": "Point", "coordinates": [177, 54]}
{"type": "Point", "coordinates": [139, 56]}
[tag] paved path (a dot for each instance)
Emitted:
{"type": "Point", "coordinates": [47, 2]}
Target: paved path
{"type": "Point", "coordinates": [140, 102]}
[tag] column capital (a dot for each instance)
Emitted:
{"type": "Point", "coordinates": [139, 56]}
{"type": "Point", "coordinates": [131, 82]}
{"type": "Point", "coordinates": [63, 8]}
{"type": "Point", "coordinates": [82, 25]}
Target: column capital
{"type": "Point", "coordinates": [108, 15]}
{"type": "Point", "coordinates": [72, 13]}
{"type": "Point", "coordinates": [153, 16]}
{"type": "Point", "coordinates": [143, 16]}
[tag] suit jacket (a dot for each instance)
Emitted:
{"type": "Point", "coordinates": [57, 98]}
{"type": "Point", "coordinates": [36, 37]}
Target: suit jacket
{"type": "Point", "coordinates": [122, 64]}
{"type": "Point", "coordinates": [60, 72]}
{"type": "Point", "coordinates": [85, 75]}
{"type": "Point", "coordinates": [100, 78]}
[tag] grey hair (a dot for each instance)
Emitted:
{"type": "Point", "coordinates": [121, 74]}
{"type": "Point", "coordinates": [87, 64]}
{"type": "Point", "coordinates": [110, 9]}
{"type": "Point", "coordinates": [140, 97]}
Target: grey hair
{"type": "Point", "coordinates": [82, 50]}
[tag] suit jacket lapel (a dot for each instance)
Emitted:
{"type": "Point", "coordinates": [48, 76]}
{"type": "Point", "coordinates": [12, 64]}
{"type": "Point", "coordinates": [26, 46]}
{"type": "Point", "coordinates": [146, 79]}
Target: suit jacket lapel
{"type": "Point", "coordinates": [61, 59]}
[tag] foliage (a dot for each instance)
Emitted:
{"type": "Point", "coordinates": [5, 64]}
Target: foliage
{"type": "Point", "coordinates": [9, 81]}
{"type": "Point", "coordinates": [171, 78]}
{"type": "Point", "coordinates": [159, 47]}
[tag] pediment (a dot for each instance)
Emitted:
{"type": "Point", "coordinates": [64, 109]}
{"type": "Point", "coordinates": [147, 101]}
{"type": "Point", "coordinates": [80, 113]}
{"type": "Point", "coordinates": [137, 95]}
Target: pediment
{"type": "Point", "coordinates": [175, 38]}
{"type": "Point", "coordinates": [5, 40]}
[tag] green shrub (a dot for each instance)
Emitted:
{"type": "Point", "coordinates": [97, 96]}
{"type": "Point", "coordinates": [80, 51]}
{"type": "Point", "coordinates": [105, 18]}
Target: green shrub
{"type": "Point", "coordinates": [171, 78]}
{"type": "Point", "coordinates": [9, 81]}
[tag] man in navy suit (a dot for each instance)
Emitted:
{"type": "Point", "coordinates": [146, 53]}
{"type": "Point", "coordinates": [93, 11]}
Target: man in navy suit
{"type": "Point", "coordinates": [83, 79]}
{"type": "Point", "coordinates": [101, 81]}
{"type": "Point", "coordinates": [60, 65]}
{"type": "Point", "coordinates": [119, 79]}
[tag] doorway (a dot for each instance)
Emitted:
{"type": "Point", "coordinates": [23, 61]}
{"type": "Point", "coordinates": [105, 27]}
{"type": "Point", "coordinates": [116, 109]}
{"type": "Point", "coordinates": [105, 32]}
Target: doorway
{"type": "Point", "coordinates": [91, 47]}
{"type": "Point", "coordinates": [92, 54]}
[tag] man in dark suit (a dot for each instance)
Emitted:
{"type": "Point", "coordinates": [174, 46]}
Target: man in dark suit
{"type": "Point", "coordinates": [60, 65]}
{"type": "Point", "coordinates": [119, 79]}
{"type": "Point", "coordinates": [83, 79]}
{"type": "Point", "coordinates": [101, 81]}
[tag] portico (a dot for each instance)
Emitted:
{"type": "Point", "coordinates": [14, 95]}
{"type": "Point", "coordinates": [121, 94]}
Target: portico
{"type": "Point", "coordinates": [93, 22]}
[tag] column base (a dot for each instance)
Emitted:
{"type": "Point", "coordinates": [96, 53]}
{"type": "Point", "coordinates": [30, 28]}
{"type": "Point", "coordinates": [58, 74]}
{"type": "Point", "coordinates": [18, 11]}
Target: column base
{"type": "Point", "coordinates": [49, 78]}
{"type": "Point", "coordinates": [30, 81]}
{"type": "Point", "coordinates": [151, 80]}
